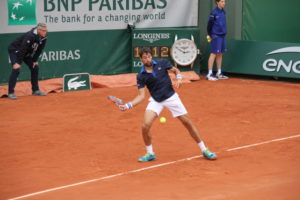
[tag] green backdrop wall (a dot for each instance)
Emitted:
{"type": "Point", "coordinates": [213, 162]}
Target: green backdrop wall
{"type": "Point", "coordinates": [88, 36]}
{"type": "Point", "coordinates": [100, 52]}
{"type": "Point", "coordinates": [269, 20]}
{"type": "Point", "coordinates": [109, 52]}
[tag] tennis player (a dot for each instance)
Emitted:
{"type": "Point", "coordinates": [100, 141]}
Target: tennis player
{"type": "Point", "coordinates": [27, 48]}
{"type": "Point", "coordinates": [217, 30]}
{"type": "Point", "coordinates": [154, 75]}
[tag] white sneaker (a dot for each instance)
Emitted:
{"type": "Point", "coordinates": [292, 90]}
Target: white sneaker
{"type": "Point", "coordinates": [12, 96]}
{"type": "Point", "coordinates": [221, 76]}
{"type": "Point", "coordinates": [211, 77]}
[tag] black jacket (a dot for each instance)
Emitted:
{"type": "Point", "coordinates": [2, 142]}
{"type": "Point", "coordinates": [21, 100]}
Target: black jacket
{"type": "Point", "coordinates": [28, 44]}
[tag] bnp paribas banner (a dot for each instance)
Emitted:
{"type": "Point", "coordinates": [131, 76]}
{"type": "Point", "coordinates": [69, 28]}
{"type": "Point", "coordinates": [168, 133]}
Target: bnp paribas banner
{"type": "Point", "coordinates": [77, 15]}
{"type": "Point", "coordinates": [263, 58]}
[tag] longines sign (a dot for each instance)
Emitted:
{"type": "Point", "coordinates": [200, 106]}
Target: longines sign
{"type": "Point", "coordinates": [151, 37]}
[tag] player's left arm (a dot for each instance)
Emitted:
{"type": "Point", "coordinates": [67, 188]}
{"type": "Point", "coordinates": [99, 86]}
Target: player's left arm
{"type": "Point", "coordinates": [178, 75]}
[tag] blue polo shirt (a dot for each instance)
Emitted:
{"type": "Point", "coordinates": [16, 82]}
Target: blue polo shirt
{"type": "Point", "coordinates": [158, 82]}
{"type": "Point", "coordinates": [217, 23]}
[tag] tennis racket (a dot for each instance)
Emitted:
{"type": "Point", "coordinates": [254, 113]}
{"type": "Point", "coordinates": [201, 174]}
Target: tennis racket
{"type": "Point", "coordinates": [115, 100]}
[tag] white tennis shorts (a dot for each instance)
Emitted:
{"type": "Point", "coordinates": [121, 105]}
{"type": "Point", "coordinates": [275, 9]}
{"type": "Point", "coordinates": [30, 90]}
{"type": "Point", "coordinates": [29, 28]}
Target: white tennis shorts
{"type": "Point", "coordinates": [173, 104]}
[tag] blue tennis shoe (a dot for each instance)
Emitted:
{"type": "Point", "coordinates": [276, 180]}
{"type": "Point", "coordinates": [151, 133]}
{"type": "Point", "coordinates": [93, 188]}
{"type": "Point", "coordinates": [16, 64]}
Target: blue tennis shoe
{"type": "Point", "coordinates": [209, 155]}
{"type": "Point", "coordinates": [147, 157]}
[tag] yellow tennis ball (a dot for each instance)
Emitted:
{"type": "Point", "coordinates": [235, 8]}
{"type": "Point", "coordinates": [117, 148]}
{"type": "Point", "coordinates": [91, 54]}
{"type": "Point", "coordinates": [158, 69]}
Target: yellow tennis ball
{"type": "Point", "coordinates": [162, 120]}
{"type": "Point", "coordinates": [208, 38]}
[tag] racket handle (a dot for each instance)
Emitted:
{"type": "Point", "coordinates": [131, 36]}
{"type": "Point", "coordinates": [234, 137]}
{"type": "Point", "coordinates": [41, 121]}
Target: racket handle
{"type": "Point", "coordinates": [129, 105]}
{"type": "Point", "coordinates": [125, 106]}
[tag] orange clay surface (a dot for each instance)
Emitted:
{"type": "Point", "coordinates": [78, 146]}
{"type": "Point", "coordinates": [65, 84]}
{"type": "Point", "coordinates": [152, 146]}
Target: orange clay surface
{"type": "Point", "coordinates": [66, 138]}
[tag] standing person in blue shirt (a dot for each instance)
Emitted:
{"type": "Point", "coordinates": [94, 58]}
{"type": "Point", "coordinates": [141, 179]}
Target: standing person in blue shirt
{"type": "Point", "coordinates": [154, 75]}
{"type": "Point", "coordinates": [217, 30]}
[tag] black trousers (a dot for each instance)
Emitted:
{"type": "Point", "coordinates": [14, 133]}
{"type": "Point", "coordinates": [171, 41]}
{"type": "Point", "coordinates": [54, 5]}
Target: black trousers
{"type": "Point", "coordinates": [15, 73]}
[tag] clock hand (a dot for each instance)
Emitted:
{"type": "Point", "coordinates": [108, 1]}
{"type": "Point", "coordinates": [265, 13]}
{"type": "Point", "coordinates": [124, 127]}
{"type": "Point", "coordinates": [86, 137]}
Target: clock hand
{"type": "Point", "coordinates": [180, 49]}
{"type": "Point", "coordinates": [184, 51]}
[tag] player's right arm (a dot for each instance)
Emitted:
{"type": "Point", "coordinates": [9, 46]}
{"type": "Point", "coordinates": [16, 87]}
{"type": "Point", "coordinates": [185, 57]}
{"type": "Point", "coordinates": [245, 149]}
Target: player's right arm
{"type": "Point", "coordinates": [138, 99]}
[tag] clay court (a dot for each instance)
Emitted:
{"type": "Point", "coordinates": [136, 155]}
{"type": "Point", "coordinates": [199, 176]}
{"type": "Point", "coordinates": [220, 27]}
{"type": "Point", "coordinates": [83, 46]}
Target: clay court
{"type": "Point", "coordinates": [78, 145]}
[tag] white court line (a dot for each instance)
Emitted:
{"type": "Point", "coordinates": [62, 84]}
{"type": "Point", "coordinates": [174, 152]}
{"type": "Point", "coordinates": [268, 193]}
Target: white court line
{"type": "Point", "coordinates": [146, 168]}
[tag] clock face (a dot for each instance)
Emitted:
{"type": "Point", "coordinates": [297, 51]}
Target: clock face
{"type": "Point", "coordinates": [184, 52]}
